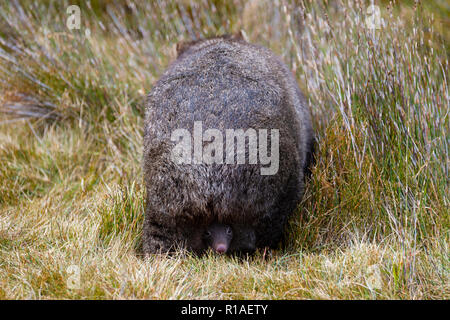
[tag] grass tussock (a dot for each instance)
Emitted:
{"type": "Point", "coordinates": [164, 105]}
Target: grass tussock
{"type": "Point", "coordinates": [374, 222]}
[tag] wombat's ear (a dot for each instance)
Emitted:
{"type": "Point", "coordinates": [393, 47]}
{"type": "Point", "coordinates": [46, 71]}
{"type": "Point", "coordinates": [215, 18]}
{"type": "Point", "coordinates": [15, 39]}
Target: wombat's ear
{"type": "Point", "coordinates": [182, 46]}
{"type": "Point", "coordinates": [240, 35]}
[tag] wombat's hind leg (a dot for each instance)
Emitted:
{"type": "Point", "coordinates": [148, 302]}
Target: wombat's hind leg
{"type": "Point", "coordinates": [155, 238]}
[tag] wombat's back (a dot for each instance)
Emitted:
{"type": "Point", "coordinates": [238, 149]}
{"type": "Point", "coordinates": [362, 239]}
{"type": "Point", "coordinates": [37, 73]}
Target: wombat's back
{"type": "Point", "coordinates": [224, 84]}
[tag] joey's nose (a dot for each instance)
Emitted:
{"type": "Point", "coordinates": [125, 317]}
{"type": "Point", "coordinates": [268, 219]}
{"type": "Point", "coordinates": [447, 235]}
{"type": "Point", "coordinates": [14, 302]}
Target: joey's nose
{"type": "Point", "coordinates": [221, 248]}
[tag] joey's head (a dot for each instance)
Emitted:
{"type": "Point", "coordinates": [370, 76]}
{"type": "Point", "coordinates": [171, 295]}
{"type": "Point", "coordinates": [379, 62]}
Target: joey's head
{"type": "Point", "coordinates": [218, 236]}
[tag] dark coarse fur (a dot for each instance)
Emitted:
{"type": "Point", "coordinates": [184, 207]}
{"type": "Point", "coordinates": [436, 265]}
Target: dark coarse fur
{"type": "Point", "coordinates": [226, 83]}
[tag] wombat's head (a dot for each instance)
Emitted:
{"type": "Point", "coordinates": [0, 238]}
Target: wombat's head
{"type": "Point", "coordinates": [218, 236]}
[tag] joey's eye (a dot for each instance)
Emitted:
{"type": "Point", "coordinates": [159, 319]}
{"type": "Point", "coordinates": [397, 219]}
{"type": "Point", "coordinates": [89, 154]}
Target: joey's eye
{"type": "Point", "coordinates": [208, 234]}
{"type": "Point", "coordinates": [229, 231]}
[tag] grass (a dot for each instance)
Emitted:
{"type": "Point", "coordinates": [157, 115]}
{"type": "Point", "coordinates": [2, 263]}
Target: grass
{"type": "Point", "coordinates": [374, 222]}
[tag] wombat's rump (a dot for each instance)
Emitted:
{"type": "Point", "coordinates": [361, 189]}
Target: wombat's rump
{"type": "Point", "coordinates": [226, 83]}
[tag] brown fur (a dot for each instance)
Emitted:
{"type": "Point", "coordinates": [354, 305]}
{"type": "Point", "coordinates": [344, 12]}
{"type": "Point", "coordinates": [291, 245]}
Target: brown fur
{"type": "Point", "coordinates": [224, 82]}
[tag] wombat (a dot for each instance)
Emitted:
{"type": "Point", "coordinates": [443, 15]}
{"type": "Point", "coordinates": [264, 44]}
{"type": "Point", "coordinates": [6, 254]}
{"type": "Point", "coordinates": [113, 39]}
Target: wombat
{"type": "Point", "coordinates": [226, 92]}
{"type": "Point", "coordinates": [218, 236]}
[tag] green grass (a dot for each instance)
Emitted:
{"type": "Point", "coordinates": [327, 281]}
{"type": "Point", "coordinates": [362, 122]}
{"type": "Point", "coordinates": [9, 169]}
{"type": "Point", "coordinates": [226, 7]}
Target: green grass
{"type": "Point", "coordinates": [374, 222]}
